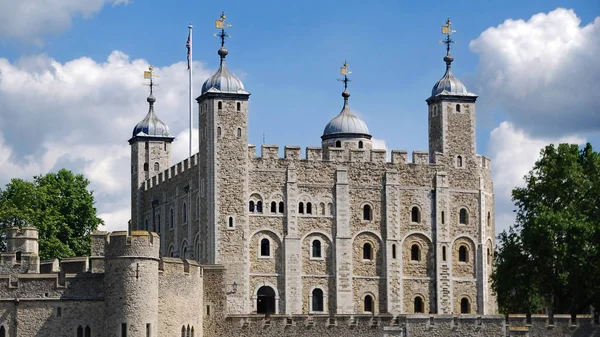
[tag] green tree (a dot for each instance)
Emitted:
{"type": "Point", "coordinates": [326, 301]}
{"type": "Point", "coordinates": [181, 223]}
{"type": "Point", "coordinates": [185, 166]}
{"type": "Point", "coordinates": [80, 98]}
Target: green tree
{"type": "Point", "coordinates": [550, 257]}
{"type": "Point", "coordinates": [59, 205]}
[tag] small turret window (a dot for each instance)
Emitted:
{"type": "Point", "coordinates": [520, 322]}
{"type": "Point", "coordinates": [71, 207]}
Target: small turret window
{"type": "Point", "coordinates": [301, 208]}
{"type": "Point", "coordinates": [239, 106]}
{"type": "Point", "coordinates": [265, 247]}
{"type": "Point", "coordinates": [18, 257]}
{"type": "Point", "coordinates": [459, 161]}
{"type": "Point", "coordinates": [308, 208]}
{"type": "Point", "coordinates": [239, 132]}
{"type": "Point", "coordinates": [230, 222]}
{"type": "Point", "coordinates": [219, 131]}
{"type": "Point", "coordinates": [156, 167]}
{"type": "Point", "coordinates": [434, 111]}
{"type": "Point", "coordinates": [147, 145]}
{"type": "Point", "coordinates": [338, 144]}
{"type": "Point", "coordinates": [360, 144]}
{"type": "Point", "coordinates": [146, 167]}
{"type": "Point", "coordinates": [251, 206]}
{"type": "Point", "coordinates": [220, 105]}
{"type": "Point", "coordinates": [273, 207]}
{"type": "Point", "coordinates": [281, 207]}
{"type": "Point", "coordinates": [458, 108]}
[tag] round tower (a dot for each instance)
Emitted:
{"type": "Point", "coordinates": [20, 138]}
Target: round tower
{"type": "Point", "coordinates": [131, 284]}
{"type": "Point", "coordinates": [24, 239]}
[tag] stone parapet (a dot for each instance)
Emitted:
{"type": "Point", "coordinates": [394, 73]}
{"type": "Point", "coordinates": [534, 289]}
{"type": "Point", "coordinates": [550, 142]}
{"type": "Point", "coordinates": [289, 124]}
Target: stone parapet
{"type": "Point", "coordinates": [175, 170]}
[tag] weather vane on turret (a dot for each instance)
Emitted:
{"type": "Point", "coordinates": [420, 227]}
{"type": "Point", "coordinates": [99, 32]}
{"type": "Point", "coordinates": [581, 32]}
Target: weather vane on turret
{"type": "Point", "coordinates": [448, 31]}
{"type": "Point", "coordinates": [346, 72]}
{"type": "Point", "coordinates": [150, 75]}
{"type": "Point", "coordinates": [221, 24]}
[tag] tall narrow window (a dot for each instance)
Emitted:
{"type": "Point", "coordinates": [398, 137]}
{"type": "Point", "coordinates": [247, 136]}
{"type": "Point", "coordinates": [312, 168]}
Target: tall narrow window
{"type": "Point", "coordinates": [2, 331]}
{"type": "Point", "coordinates": [147, 145]}
{"type": "Point", "coordinates": [183, 327]}
{"type": "Point", "coordinates": [459, 162]}
{"type": "Point", "coordinates": [415, 214]}
{"type": "Point", "coordinates": [322, 208]}
{"type": "Point", "coordinates": [239, 106]}
{"type": "Point", "coordinates": [489, 256]}
{"type": "Point", "coordinates": [367, 251]}
{"type": "Point", "coordinates": [317, 300]}
{"type": "Point", "coordinates": [146, 224]}
{"type": "Point", "coordinates": [156, 167]}
{"type": "Point", "coordinates": [463, 255]}
{"type": "Point", "coordinates": [172, 219]}
{"type": "Point", "coordinates": [338, 144]}
{"type": "Point", "coordinates": [444, 253]}
{"type": "Point", "coordinates": [367, 213]}
{"type": "Point", "coordinates": [259, 206]}
{"type": "Point", "coordinates": [330, 208]}
{"type": "Point", "coordinates": [273, 207]}
{"type": "Point", "coordinates": [230, 222]}
{"type": "Point", "coordinates": [281, 207]}
{"type": "Point", "coordinates": [123, 329]}
{"type": "Point", "coordinates": [415, 253]}
{"type": "Point", "coordinates": [220, 105]}
{"type": "Point", "coordinates": [148, 330]}
{"type": "Point", "coordinates": [158, 223]}
{"type": "Point", "coordinates": [463, 216]}
{"type": "Point", "coordinates": [80, 331]}
{"type": "Point", "coordinates": [219, 131]}
{"type": "Point", "coordinates": [192, 331]}
{"type": "Point", "coordinates": [465, 306]}
{"type": "Point", "coordinates": [308, 208]}
{"type": "Point", "coordinates": [316, 248]}
{"type": "Point", "coordinates": [251, 206]}
{"type": "Point", "coordinates": [239, 132]}
{"type": "Point", "coordinates": [443, 218]}
{"type": "Point", "coordinates": [146, 167]}
{"type": "Point", "coordinates": [368, 304]}
{"type": "Point", "coordinates": [360, 144]}
{"type": "Point", "coordinates": [18, 256]}
{"type": "Point", "coordinates": [165, 146]}
{"type": "Point", "coordinates": [184, 212]}
{"type": "Point", "coordinates": [489, 219]}
{"type": "Point", "coordinates": [265, 247]}
{"type": "Point", "coordinates": [301, 208]}
{"type": "Point", "coordinates": [418, 305]}
{"type": "Point", "coordinates": [458, 108]}
{"type": "Point", "coordinates": [393, 251]}
{"type": "Point", "coordinates": [188, 330]}
{"type": "Point", "coordinates": [88, 331]}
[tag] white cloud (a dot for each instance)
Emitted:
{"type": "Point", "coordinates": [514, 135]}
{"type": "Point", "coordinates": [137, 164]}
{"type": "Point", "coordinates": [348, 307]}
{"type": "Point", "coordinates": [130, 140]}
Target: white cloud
{"type": "Point", "coordinates": [80, 114]}
{"type": "Point", "coordinates": [543, 71]}
{"type": "Point", "coordinates": [31, 19]}
{"type": "Point", "coordinates": [513, 153]}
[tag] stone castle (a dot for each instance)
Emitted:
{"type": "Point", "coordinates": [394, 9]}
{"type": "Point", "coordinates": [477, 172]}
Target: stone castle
{"type": "Point", "coordinates": [338, 242]}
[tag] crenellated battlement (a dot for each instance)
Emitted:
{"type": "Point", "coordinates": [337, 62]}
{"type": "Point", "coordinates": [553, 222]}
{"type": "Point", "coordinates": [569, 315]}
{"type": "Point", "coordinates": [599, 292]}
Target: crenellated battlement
{"type": "Point", "coordinates": [178, 266]}
{"type": "Point", "coordinates": [172, 172]}
{"type": "Point", "coordinates": [137, 244]}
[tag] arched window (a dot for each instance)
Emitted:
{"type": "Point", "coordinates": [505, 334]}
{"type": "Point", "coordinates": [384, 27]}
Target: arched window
{"type": "Point", "coordinates": [18, 256]}
{"type": "Point", "coordinates": [220, 105]}
{"type": "Point", "coordinates": [183, 327]}
{"type": "Point", "coordinates": [259, 206]}
{"type": "Point", "coordinates": [308, 208]}
{"type": "Point", "coordinates": [184, 212]}
{"type": "Point", "coordinates": [463, 255]}
{"type": "Point", "coordinates": [80, 331]}
{"type": "Point", "coordinates": [367, 251]}
{"type": "Point", "coordinates": [2, 331]}
{"type": "Point", "coordinates": [219, 131]}
{"type": "Point", "coordinates": [281, 207]}
{"type": "Point", "coordinates": [418, 305]}
{"type": "Point", "coordinates": [393, 251]}
{"type": "Point", "coordinates": [368, 304]}
{"type": "Point", "coordinates": [316, 248]}
{"type": "Point", "coordinates": [465, 306]}
{"type": "Point", "coordinates": [459, 162]}
{"type": "Point", "coordinates": [330, 208]}
{"type": "Point", "coordinates": [338, 144]}
{"type": "Point", "coordinates": [251, 206]}
{"type": "Point", "coordinates": [415, 214]}
{"type": "Point", "coordinates": [444, 253]}
{"type": "Point", "coordinates": [367, 213]}
{"type": "Point", "coordinates": [458, 108]}
{"type": "Point", "coordinates": [146, 167]}
{"type": "Point", "coordinates": [322, 208]}
{"type": "Point", "coordinates": [489, 256]}
{"type": "Point", "coordinates": [88, 331]}
{"type": "Point", "coordinates": [273, 207]}
{"type": "Point", "coordinates": [192, 331]}
{"type": "Point", "coordinates": [239, 106]}
{"type": "Point", "coordinates": [172, 219]}
{"type": "Point", "coordinates": [265, 247]}
{"type": "Point", "coordinates": [301, 208]}
{"type": "Point", "coordinates": [360, 144]}
{"type": "Point", "coordinates": [415, 253]}
{"type": "Point", "coordinates": [188, 331]}
{"type": "Point", "coordinates": [317, 300]}
{"type": "Point", "coordinates": [239, 132]}
{"type": "Point", "coordinates": [230, 224]}
{"type": "Point", "coordinates": [156, 167]}
{"type": "Point", "coordinates": [463, 216]}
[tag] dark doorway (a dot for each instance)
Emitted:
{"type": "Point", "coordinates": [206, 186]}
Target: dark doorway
{"type": "Point", "coordinates": [265, 300]}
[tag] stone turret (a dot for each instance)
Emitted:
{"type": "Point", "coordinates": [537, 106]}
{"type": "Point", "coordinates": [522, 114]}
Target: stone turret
{"type": "Point", "coordinates": [131, 284]}
{"type": "Point", "coordinates": [22, 252]}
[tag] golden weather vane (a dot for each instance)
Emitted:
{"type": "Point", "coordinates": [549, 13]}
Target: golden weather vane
{"type": "Point", "coordinates": [346, 72]}
{"type": "Point", "coordinates": [448, 31]}
{"type": "Point", "coordinates": [221, 24]}
{"type": "Point", "coordinates": [150, 75]}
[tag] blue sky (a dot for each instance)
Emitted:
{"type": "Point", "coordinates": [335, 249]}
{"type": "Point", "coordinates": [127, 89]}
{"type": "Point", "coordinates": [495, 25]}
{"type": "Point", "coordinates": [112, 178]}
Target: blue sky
{"type": "Point", "coordinates": [288, 55]}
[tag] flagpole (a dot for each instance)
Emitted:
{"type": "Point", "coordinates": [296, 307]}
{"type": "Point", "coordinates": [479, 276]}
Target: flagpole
{"type": "Point", "coordinates": [190, 85]}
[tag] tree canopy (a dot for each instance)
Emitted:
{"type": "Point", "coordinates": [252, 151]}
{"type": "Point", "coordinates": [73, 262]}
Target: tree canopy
{"type": "Point", "coordinates": [59, 205]}
{"type": "Point", "coordinates": [550, 257]}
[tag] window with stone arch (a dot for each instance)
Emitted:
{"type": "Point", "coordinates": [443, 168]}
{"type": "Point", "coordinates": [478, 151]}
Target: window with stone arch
{"type": "Point", "coordinates": [465, 306]}
{"type": "Point", "coordinates": [308, 208]}
{"type": "Point", "coordinates": [251, 206]}
{"type": "Point", "coordinates": [317, 300]}
{"type": "Point", "coordinates": [463, 216]}
{"type": "Point", "coordinates": [265, 247]}
{"type": "Point", "coordinates": [458, 108]}
{"type": "Point", "coordinates": [418, 305]}
{"type": "Point", "coordinates": [230, 222]}
{"type": "Point", "coordinates": [80, 331]}
{"type": "Point", "coordinates": [322, 208]}
{"type": "Point", "coordinates": [489, 256]}
{"type": "Point", "coordinates": [368, 304]}
{"type": "Point", "coordinates": [330, 209]}
{"type": "Point", "coordinates": [281, 207]}
{"type": "Point", "coordinates": [316, 249]}
{"type": "Point", "coordinates": [301, 208]}
{"type": "Point", "coordinates": [338, 144]}
{"type": "Point", "coordinates": [360, 144]}
{"type": "Point", "coordinates": [220, 105]}
{"type": "Point", "coordinates": [367, 212]}
{"type": "Point", "coordinates": [184, 210]}
{"type": "Point", "coordinates": [415, 252]}
{"type": "Point", "coordinates": [273, 207]}
{"type": "Point", "coordinates": [415, 214]}
{"type": "Point", "coordinates": [459, 161]}
{"type": "Point", "coordinates": [367, 251]}
{"type": "Point", "coordinates": [156, 167]}
{"type": "Point", "coordinates": [239, 106]}
{"type": "Point", "coordinates": [259, 207]}
{"type": "Point", "coordinates": [172, 219]}
{"type": "Point", "coordinates": [463, 254]}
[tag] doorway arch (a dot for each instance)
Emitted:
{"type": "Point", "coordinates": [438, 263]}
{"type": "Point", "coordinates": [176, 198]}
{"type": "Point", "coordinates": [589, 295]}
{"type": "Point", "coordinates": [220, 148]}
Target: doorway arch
{"type": "Point", "coordinates": [265, 300]}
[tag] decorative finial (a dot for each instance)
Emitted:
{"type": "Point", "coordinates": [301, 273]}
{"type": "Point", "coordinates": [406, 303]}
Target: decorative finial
{"type": "Point", "coordinates": [346, 72]}
{"type": "Point", "coordinates": [150, 75]}
{"type": "Point", "coordinates": [221, 24]}
{"type": "Point", "coordinates": [448, 31]}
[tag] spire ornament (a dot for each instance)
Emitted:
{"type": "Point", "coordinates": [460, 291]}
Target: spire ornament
{"type": "Point", "coordinates": [150, 75]}
{"type": "Point", "coordinates": [346, 72]}
{"type": "Point", "coordinates": [221, 24]}
{"type": "Point", "coordinates": [448, 31]}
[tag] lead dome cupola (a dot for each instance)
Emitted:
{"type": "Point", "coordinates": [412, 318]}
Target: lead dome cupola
{"type": "Point", "coordinates": [151, 125]}
{"type": "Point", "coordinates": [346, 123]}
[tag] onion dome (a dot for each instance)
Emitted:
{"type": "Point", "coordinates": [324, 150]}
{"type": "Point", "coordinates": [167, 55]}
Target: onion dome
{"type": "Point", "coordinates": [346, 123]}
{"type": "Point", "coordinates": [151, 125]}
{"type": "Point", "coordinates": [448, 84]}
{"type": "Point", "coordinates": [223, 81]}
